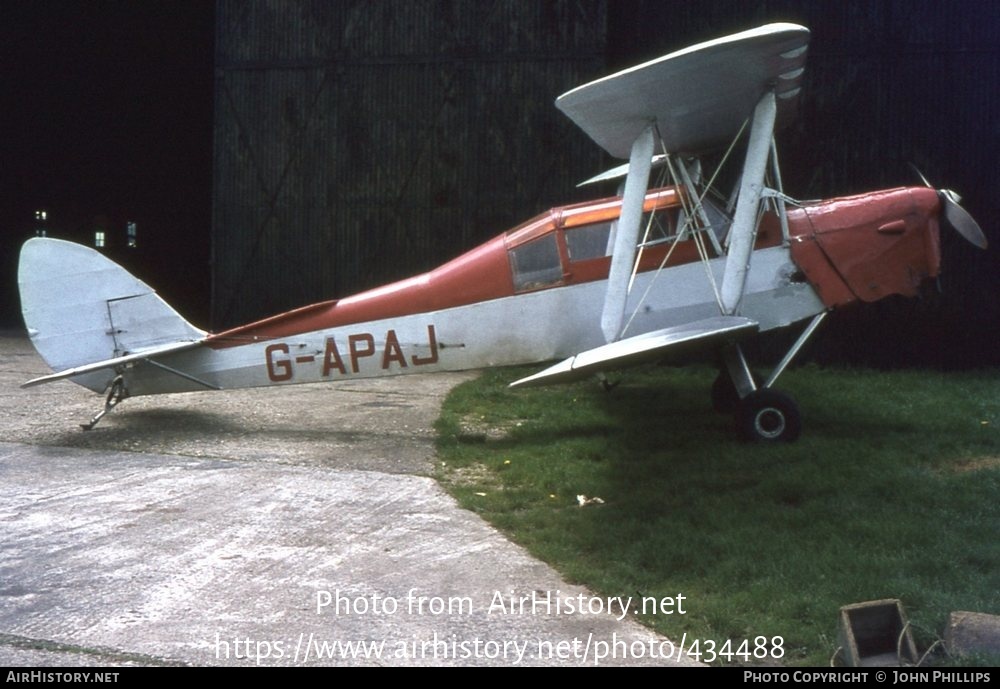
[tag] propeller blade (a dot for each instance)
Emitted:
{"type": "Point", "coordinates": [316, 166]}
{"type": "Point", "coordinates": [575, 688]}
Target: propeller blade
{"type": "Point", "coordinates": [960, 219]}
{"type": "Point", "coordinates": [921, 176]}
{"type": "Point", "coordinates": [957, 217]}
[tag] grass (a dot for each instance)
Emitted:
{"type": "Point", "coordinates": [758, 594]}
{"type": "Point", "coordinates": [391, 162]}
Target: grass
{"type": "Point", "coordinates": [892, 492]}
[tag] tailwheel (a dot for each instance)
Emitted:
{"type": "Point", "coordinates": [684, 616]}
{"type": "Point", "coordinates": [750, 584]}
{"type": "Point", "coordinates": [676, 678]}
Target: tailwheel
{"type": "Point", "coordinates": [768, 415]}
{"type": "Point", "coordinates": [116, 393]}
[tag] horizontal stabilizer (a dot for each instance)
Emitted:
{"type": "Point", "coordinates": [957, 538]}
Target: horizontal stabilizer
{"type": "Point", "coordinates": [112, 363]}
{"type": "Point", "coordinates": [643, 349]}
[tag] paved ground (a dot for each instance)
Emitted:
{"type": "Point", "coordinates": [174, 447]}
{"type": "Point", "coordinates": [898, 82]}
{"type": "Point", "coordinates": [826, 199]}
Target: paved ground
{"type": "Point", "coordinates": [277, 527]}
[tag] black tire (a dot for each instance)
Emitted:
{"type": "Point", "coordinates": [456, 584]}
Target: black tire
{"type": "Point", "coordinates": [768, 416]}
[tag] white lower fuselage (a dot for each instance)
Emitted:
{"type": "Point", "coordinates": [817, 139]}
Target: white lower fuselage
{"type": "Point", "coordinates": [525, 328]}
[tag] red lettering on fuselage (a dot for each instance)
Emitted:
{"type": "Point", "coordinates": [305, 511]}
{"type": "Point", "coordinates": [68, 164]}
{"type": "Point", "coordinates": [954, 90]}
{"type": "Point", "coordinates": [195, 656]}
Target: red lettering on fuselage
{"type": "Point", "coordinates": [393, 352]}
{"type": "Point", "coordinates": [331, 359]}
{"type": "Point", "coordinates": [356, 353]}
{"type": "Point", "coordinates": [278, 370]}
{"type": "Point", "coordinates": [433, 357]}
{"type": "Point", "coordinates": [281, 366]}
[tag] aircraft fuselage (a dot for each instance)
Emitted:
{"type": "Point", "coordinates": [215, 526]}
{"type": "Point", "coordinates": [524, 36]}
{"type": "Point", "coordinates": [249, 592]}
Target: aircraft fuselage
{"type": "Point", "coordinates": [535, 294]}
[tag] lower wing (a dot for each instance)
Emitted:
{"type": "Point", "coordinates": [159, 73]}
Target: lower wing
{"type": "Point", "coordinates": [644, 348]}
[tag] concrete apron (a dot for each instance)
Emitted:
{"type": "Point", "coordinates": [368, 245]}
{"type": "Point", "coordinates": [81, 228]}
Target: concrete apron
{"type": "Point", "coordinates": [284, 526]}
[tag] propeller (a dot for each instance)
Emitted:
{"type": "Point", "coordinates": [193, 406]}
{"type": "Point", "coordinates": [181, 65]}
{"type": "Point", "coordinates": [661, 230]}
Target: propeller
{"type": "Point", "coordinates": [957, 216]}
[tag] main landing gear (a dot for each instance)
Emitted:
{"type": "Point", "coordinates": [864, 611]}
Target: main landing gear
{"type": "Point", "coordinates": [761, 412]}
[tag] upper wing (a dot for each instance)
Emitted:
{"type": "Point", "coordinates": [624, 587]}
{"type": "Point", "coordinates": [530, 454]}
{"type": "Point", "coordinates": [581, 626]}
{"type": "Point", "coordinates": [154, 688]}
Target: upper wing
{"type": "Point", "coordinates": [699, 97]}
{"type": "Point", "coordinates": [643, 348]}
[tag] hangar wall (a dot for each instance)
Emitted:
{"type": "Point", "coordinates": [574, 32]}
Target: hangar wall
{"type": "Point", "coordinates": [359, 142]}
{"type": "Point", "coordinates": [887, 84]}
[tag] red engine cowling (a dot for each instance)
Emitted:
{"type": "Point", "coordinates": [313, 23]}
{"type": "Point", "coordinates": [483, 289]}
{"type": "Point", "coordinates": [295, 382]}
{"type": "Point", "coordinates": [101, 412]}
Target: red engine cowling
{"type": "Point", "coordinates": [869, 246]}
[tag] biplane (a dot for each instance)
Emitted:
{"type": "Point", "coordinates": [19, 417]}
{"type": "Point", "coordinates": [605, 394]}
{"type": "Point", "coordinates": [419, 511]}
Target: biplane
{"type": "Point", "coordinates": [666, 266]}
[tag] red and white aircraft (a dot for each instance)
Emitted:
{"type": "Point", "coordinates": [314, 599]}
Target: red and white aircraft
{"type": "Point", "coordinates": [598, 286]}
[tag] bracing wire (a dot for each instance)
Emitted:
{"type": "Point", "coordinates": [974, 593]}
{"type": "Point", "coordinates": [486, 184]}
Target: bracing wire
{"type": "Point", "coordinates": [699, 241]}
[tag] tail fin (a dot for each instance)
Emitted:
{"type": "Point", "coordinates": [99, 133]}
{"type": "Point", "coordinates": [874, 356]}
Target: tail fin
{"type": "Point", "coordinates": [81, 308]}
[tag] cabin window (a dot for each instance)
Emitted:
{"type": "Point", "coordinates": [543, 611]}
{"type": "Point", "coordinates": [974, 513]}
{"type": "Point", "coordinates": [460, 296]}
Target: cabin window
{"type": "Point", "coordinates": [589, 241]}
{"type": "Point", "coordinates": [536, 263]}
{"type": "Point", "coordinates": [663, 225]}
{"type": "Point", "coordinates": [720, 222]}
{"type": "Point", "coordinates": [673, 224]}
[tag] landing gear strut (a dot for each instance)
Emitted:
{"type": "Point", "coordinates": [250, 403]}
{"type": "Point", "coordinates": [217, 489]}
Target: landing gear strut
{"type": "Point", "coordinates": [725, 398]}
{"type": "Point", "coordinates": [761, 413]}
{"type": "Point", "coordinates": [116, 393]}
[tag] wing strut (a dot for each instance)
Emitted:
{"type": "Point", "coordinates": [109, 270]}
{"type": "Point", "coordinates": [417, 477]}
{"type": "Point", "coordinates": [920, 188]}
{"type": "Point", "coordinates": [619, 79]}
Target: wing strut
{"type": "Point", "coordinates": [628, 234]}
{"type": "Point", "coordinates": [744, 229]}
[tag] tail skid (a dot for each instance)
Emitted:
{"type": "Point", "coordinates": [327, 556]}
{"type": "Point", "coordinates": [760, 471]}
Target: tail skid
{"type": "Point", "coordinates": [89, 318]}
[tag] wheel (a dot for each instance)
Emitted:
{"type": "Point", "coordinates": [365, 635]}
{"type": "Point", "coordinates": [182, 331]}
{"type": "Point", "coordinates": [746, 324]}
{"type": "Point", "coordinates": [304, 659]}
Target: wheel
{"type": "Point", "coordinates": [768, 415]}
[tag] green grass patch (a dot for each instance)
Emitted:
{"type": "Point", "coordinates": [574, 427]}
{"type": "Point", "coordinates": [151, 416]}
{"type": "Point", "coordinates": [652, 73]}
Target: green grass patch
{"type": "Point", "coordinates": [892, 492]}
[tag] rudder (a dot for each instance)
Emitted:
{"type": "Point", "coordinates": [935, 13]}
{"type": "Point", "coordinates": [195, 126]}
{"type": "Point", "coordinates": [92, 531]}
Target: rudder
{"type": "Point", "coordinates": [80, 307]}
